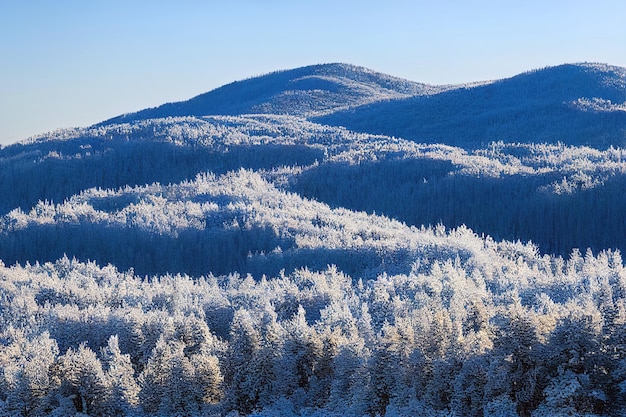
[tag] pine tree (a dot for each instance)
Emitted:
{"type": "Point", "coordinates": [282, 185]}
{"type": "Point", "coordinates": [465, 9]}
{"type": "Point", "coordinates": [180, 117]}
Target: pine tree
{"type": "Point", "coordinates": [81, 378]}
{"type": "Point", "coordinates": [120, 373]}
{"type": "Point", "coordinates": [242, 389]}
{"type": "Point", "coordinates": [520, 355]}
{"type": "Point", "coordinates": [207, 377]}
{"type": "Point", "coordinates": [155, 377]}
{"type": "Point", "coordinates": [26, 380]}
{"type": "Point", "coordinates": [302, 352]}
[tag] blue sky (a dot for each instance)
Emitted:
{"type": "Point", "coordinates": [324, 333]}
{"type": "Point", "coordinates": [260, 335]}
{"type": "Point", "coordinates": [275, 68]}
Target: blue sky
{"type": "Point", "coordinates": [71, 63]}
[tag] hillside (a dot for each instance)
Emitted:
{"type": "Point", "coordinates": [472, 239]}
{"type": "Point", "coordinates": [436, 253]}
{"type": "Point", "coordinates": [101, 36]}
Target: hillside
{"type": "Point", "coordinates": [307, 91]}
{"type": "Point", "coordinates": [575, 104]}
{"type": "Point", "coordinates": [556, 196]}
{"type": "Point", "coordinates": [236, 222]}
{"type": "Point", "coordinates": [453, 251]}
{"type": "Point", "coordinates": [582, 104]}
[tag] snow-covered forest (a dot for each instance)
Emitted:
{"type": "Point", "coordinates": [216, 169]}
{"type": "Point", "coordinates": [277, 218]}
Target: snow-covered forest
{"type": "Point", "coordinates": [211, 262]}
{"type": "Point", "coordinates": [495, 330]}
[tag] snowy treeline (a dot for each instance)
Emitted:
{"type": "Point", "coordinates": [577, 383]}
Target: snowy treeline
{"type": "Point", "coordinates": [503, 332]}
{"type": "Point", "coordinates": [428, 322]}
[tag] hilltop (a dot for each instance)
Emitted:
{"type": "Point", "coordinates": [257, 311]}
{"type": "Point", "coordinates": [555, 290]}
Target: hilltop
{"type": "Point", "coordinates": [308, 91]}
{"type": "Point", "coordinates": [575, 104]}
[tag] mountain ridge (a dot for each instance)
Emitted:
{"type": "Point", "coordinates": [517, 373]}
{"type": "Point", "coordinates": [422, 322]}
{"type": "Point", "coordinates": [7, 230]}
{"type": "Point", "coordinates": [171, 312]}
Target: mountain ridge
{"type": "Point", "coordinates": [300, 91]}
{"type": "Point", "coordinates": [576, 104]}
{"type": "Point", "coordinates": [552, 104]}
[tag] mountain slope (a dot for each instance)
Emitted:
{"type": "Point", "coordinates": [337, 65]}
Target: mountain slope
{"type": "Point", "coordinates": [582, 104]}
{"type": "Point", "coordinates": [527, 192]}
{"type": "Point", "coordinates": [576, 104]}
{"type": "Point", "coordinates": [236, 222]}
{"type": "Point", "coordinates": [59, 165]}
{"type": "Point", "coordinates": [509, 191]}
{"type": "Point", "coordinates": [265, 264]}
{"type": "Point", "coordinates": [306, 91]}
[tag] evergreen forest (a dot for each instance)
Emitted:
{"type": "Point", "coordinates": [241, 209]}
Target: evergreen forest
{"type": "Point", "coordinates": [324, 241]}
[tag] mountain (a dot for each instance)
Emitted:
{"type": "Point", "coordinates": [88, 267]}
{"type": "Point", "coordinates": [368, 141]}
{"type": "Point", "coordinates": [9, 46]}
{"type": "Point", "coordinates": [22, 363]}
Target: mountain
{"type": "Point", "coordinates": [538, 189]}
{"type": "Point", "coordinates": [307, 91]}
{"type": "Point", "coordinates": [575, 104]}
{"type": "Point", "coordinates": [213, 257]}
{"type": "Point", "coordinates": [532, 192]}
